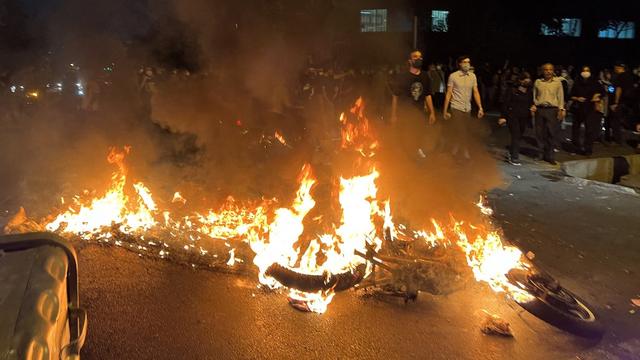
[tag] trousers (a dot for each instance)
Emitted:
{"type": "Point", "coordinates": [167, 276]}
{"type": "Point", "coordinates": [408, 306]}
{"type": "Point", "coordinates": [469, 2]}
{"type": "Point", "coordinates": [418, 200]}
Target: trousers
{"type": "Point", "coordinates": [547, 127]}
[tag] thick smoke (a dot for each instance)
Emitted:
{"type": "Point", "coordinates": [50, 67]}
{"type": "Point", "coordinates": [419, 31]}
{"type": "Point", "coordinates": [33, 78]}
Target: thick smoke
{"type": "Point", "coordinates": [207, 128]}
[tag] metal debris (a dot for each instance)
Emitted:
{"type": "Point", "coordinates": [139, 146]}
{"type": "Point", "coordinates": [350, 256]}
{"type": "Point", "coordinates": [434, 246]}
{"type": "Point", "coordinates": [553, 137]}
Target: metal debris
{"type": "Point", "coordinates": [299, 305]}
{"type": "Point", "coordinates": [494, 325]}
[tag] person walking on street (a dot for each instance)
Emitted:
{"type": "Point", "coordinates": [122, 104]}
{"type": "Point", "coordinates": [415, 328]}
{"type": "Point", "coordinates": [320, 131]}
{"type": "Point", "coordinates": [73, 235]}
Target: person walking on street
{"type": "Point", "coordinates": [411, 102]}
{"type": "Point", "coordinates": [586, 94]}
{"type": "Point", "coordinates": [461, 86]}
{"type": "Point", "coordinates": [548, 99]}
{"type": "Point", "coordinates": [516, 114]}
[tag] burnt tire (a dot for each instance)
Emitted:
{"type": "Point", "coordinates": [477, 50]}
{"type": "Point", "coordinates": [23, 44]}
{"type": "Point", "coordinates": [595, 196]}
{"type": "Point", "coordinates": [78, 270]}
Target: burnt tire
{"type": "Point", "coordinates": [314, 283]}
{"type": "Point", "coordinates": [560, 307]}
{"type": "Point", "coordinates": [591, 328]}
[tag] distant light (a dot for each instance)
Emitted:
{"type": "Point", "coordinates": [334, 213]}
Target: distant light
{"type": "Point", "coordinates": [13, 88]}
{"type": "Point", "coordinates": [373, 20]}
{"type": "Point", "coordinates": [440, 20]}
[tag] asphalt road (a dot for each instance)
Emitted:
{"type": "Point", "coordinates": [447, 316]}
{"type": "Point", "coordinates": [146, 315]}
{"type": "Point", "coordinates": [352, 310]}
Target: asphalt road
{"type": "Point", "coordinates": [150, 309]}
{"type": "Point", "coordinates": [584, 233]}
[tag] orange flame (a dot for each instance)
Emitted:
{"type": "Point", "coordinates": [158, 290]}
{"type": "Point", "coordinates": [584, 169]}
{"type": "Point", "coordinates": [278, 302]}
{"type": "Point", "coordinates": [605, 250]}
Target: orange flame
{"type": "Point", "coordinates": [356, 132]}
{"type": "Point", "coordinates": [133, 210]}
{"type": "Point", "coordinates": [280, 138]}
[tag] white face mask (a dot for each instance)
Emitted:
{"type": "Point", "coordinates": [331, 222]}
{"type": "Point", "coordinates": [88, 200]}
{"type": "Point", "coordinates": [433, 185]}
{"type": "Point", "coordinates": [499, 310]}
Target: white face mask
{"type": "Point", "coordinates": [585, 74]}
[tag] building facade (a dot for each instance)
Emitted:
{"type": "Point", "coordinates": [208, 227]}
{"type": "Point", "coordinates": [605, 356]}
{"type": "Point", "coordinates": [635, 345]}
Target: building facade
{"type": "Point", "coordinates": [493, 31]}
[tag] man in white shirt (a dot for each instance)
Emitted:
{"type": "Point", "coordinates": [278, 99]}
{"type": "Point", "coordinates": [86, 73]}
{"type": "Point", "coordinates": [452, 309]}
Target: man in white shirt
{"type": "Point", "coordinates": [462, 85]}
{"type": "Point", "coordinates": [548, 106]}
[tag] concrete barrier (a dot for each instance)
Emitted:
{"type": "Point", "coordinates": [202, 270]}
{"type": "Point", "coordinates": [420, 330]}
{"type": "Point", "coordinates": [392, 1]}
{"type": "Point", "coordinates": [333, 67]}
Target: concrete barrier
{"type": "Point", "coordinates": [632, 181]}
{"type": "Point", "coordinates": [619, 169]}
{"type": "Point", "coordinates": [600, 169]}
{"type": "Point", "coordinates": [634, 164]}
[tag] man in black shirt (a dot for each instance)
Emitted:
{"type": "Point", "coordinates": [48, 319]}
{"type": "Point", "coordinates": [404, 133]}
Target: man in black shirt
{"type": "Point", "coordinates": [622, 104]}
{"type": "Point", "coordinates": [586, 94]}
{"type": "Point", "coordinates": [411, 103]}
{"type": "Point", "coordinates": [516, 113]}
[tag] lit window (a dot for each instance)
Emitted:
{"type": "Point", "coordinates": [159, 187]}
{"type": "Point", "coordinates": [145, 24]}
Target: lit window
{"type": "Point", "coordinates": [373, 20]}
{"type": "Point", "coordinates": [562, 27]}
{"type": "Point", "coordinates": [618, 30]}
{"type": "Point", "coordinates": [440, 20]}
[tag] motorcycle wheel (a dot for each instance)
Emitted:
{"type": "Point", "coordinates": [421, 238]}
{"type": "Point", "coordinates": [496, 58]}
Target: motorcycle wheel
{"type": "Point", "coordinates": [557, 305]}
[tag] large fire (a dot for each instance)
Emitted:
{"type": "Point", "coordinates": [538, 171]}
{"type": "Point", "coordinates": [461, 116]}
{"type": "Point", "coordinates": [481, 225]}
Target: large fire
{"type": "Point", "coordinates": [115, 207]}
{"type": "Point", "coordinates": [337, 250]}
{"type": "Point", "coordinates": [278, 235]}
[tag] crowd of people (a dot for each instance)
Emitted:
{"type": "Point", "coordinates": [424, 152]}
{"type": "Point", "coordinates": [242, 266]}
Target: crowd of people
{"type": "Point", "coordinates": [416, 95]}
{"type": "Point", "coordinates": [605, 103]}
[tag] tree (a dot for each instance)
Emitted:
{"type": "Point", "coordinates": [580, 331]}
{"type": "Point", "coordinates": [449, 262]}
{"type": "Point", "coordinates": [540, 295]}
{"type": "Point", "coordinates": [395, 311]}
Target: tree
{"type": "Point", "coordinates": [616, 27]}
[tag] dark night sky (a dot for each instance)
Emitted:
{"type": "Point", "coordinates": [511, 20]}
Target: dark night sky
{"type": "Point", "coordinates": [490, 28]}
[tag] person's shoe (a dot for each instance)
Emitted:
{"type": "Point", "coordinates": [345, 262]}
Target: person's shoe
{"type": "Point", "coordinates": [551, 161]}
{"type": "Point", "coordinates": [556, 150]}
{"type": "Point", "coordinates": [515, 162]}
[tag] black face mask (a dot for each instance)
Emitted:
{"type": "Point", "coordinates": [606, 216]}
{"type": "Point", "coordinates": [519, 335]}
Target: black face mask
{"type": "Point", "coordinates": [417, 63]}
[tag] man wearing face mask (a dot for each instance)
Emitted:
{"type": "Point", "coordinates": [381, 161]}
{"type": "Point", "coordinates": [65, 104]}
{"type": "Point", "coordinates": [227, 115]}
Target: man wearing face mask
{"type": "Point", "coordinates": [412, 106]}
{"type": "Point", "coordinates": [516, 114]}
{"type": "Point", "coordinates": [462, 85]}
{"type": "Point", "coordinates": [586, 94]}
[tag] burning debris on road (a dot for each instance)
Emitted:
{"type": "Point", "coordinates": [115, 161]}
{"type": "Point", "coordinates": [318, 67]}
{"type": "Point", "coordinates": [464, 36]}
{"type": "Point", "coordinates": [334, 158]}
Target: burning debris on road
{"type": "Point", "coordinates": [296, 247]}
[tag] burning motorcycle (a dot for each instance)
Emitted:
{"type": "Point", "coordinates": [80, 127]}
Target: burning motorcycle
{"type": "Point", "coordinates": [406, 267]}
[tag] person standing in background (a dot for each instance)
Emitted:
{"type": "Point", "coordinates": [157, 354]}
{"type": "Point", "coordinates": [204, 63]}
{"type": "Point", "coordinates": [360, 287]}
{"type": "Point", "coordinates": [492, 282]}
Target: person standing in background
{"type": "Point", "coordinates": [622, 103]}
{"type": "Point", "coordinates": [548, 99]}
{"type": "Point", "coordinates": [437, 84]}
{"type": "Point", "coordinates": [412, 106]}
{"type": "Point", "coordinates": [516, 114]}
{"type": "Point", "coordinates": [461, 87]}
{"type": "Point", "coordinates": [586, 94]}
